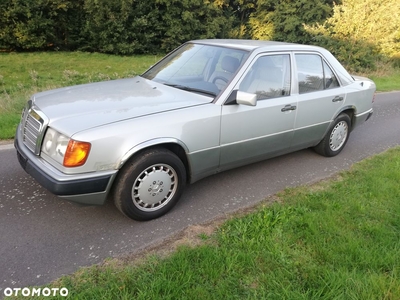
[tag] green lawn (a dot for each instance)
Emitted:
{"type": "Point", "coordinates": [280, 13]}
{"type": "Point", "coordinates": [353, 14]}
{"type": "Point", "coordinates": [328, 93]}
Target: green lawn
{"type": "Point", "coordinates": [338, 239]}
{"type": "Point", "coordinates": [387, 83]}
{"type": "Point", "coordinates": [23, 74]}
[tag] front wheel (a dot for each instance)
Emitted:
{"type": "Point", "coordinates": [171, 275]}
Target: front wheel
{"type": "Point", "coordinates": [336, 137]}
{"type": "Point", "coordinates": [150, 185]}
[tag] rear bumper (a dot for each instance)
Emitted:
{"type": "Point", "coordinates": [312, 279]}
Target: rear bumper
{"type": "Point", "coordinates": [369, 115]}
{"type": "Point", "coordinates": [91, 188]}
{"type": "Point", "coordinates": [361, 118]}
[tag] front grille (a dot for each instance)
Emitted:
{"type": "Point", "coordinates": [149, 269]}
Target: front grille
{"type": "Point", "coordinates": [34, 123]}
{"type": "Point", "coordinates": [31, 132]}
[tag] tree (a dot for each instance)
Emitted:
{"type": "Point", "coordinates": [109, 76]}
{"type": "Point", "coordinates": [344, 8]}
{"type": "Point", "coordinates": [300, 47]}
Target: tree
{"type": "Point", "coordinates": [283, 20]}
{"type": "Point", "coordinates": [120, 27]}
{"type": "Point", "coordinates": [241, 11]}
{"type": "Point", "coordinates": [359, 30]}
{"type": "Point", "coordinates": [36, 24]}
{"type": "Point", "coordinates": [184, 20]}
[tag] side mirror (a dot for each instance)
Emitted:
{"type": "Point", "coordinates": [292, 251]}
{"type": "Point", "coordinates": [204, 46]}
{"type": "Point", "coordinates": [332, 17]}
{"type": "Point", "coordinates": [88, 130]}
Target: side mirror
{"type": "Point", "coordinates": [238, 97]}
{"type": "Point", "coordinates": [246, 98]}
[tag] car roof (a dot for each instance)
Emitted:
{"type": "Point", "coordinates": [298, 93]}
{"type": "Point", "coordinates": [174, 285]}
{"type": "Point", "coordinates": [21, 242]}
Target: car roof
{"type": "Point", "coordinates": [250, 45]}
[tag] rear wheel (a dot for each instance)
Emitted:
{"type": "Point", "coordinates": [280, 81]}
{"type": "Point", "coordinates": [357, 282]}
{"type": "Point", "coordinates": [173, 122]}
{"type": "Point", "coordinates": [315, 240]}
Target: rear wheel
{"type": "Point", "coordinates": [336, 138]}
{"type": "Point", "coordinates": [150, 185]}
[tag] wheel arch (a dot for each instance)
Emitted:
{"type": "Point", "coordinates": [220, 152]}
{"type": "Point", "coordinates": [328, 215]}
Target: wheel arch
{"type": "Point", "coordinates": [350, 110]}
{"type": "Point", "coordinates": [174, 145]}
{"type": "Point", "coordinates": [334, 140]}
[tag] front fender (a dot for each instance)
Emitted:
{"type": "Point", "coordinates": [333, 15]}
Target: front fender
{"type": "Point", "coordinates": [151, 143]}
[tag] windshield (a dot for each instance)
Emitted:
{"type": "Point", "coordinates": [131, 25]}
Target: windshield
{"type": "Point", "coordinates": [198, 68]}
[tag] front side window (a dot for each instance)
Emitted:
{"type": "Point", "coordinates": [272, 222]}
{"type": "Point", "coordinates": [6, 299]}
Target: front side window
{"type": "Point", "coordinates": [314, 74]}
{"type": "Point", "coordinates": [269, 77]}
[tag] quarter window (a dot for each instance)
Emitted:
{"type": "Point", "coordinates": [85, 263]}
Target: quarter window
{"type": "Point", "coordinates": [331, 81]}
{"type": "Point", "coordinates": [269, 77]}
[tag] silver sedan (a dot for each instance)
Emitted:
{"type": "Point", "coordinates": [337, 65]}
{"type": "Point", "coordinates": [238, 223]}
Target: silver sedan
{"type": "Point", "coordinates": [208, 106]}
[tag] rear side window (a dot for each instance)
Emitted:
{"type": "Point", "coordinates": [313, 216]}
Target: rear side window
{"type": "Point", "coordinates": [314, 74]}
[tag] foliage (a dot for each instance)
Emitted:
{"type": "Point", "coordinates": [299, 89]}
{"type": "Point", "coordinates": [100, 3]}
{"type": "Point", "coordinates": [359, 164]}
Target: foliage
{"type": "Point", "coordinates": [361, 30]}
{"type": "Point", "coordinates": [396, 60]}
{"type": "Point", "coordinates": [283, 20]}
{"type": "Point", "coordinates": [358, 32]}
{"type": "Point", "coordinates": [38, 24]}
{"type": "Point", "coordinates": [185, 20]}
{"type": "Point", "coordinates": [120, 27]}
{"type": "Point", "coordinates": [241, 11]}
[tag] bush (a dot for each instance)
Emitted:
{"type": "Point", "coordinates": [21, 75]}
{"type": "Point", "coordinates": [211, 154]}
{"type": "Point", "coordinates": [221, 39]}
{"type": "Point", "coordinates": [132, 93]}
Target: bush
{"type": "Point", "coordinates": [116, 27]}
{"type": "Point", "coordinates": [119, 27]}
{"type": "Point", "coordinates": [396, 60]}
{"type": "Point", "coordinates": [360, 31]}
{"type": "Point", "coordinates": [37, 24]}
{"type": "Point", "coordinates": [183, 20]}
{"type": "Point", "coordinates": [283, 20]}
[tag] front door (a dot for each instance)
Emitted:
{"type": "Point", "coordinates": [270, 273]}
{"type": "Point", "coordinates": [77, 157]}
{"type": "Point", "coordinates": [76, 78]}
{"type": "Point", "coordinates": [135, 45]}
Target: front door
{"type": "Point", "coordinates": [251, 133]}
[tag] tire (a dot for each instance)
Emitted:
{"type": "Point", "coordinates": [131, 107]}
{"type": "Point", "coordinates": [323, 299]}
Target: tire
{"type": "Point", "coordinates": [336, 138]}
{"type": "Point", "coordinates": [150, 185]}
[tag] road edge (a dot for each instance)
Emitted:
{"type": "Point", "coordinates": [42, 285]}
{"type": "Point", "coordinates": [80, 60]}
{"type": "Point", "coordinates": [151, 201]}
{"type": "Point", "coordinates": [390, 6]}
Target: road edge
{"type": "Point", "coordinates": [6, 144]}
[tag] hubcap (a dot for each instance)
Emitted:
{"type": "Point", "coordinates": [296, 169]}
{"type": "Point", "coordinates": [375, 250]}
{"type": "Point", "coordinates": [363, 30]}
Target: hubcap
{"type": "Point", "coordinates": [154, 187]}
{"type": "Point", "coordinates": [338, 136]}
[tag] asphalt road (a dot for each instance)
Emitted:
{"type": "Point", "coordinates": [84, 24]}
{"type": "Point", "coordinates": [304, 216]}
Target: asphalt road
{"type": "Point", "coordinates": [43, 237]}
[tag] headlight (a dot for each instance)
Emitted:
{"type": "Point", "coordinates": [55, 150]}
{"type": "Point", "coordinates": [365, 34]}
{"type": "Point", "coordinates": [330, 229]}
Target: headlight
{"type": "Point", "coordinates": [54, 145]}
{"type": "Point", "coordinates": [65, 151]}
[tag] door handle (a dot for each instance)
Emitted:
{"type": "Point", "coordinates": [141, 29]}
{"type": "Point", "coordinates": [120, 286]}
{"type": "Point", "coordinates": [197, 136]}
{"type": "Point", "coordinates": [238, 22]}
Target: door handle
{"type": "Point", "coordinates": [288, 107]}
{"type": "Point", "coordinates": [337, 99]}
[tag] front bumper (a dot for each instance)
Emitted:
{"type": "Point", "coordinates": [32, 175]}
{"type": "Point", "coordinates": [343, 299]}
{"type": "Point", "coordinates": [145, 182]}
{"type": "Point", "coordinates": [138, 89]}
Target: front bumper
{"type": "Point", "coordinates": [90, 188]}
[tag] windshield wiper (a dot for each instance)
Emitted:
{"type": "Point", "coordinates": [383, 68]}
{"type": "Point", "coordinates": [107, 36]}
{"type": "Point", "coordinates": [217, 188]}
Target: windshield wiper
{"type": "Point", "coordinates": [190, 89]}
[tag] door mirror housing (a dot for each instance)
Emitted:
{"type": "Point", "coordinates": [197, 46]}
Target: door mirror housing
{"type": "Point", "coordinates": [239, 97]}
{"type": "Point", "coordinates": [246, 98]}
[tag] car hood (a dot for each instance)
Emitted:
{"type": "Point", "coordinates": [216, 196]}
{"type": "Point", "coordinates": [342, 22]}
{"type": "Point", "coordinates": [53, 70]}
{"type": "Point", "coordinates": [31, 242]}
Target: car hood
{"type": "Point", "coordinates": [76, 108]}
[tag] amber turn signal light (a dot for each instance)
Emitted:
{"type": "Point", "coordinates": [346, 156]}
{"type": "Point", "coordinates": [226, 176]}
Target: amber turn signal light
{"type": "Point", "coordinates": [76, 154]}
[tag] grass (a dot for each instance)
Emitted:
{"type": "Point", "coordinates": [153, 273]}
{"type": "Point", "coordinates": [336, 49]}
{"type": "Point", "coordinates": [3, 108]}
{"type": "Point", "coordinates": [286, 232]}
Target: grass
{"type": "Point", "coordinates": [387, 83]}
{"type": "Point", "coordinates": [337, 239]}
{"type": "Point", "coordinates": [23, 74]}
{"type": "Point", "coordinates": [386, 76]}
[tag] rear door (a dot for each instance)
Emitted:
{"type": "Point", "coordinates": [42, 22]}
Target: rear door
{"type": "Point", "coordinates": [320, 98]}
